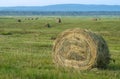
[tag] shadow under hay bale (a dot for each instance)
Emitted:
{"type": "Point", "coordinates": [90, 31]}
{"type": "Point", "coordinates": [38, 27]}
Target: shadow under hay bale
{"type": "Point", "coordinates": [6, 33]}
{"type": "Point", "coordinates": [53, 38]}
{"type": "Point", "coordinates": [80, 49]}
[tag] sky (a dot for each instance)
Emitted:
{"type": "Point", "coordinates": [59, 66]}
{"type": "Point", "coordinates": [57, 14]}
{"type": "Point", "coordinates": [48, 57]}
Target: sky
{"type": "Point", "coordinates": [52, 2]}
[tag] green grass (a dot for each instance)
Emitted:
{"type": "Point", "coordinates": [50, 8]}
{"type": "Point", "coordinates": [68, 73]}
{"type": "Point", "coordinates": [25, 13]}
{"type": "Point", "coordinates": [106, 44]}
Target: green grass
{"type": "Point", "coordinates": [26, 47]}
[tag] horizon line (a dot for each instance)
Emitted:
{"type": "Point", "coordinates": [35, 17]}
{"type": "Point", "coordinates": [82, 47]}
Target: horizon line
{"type": "Point", "coordinates": [57, 4]}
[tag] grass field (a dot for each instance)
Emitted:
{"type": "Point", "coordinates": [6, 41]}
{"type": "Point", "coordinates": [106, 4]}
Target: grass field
{"type": "Point", "coordinates": [26, 47]}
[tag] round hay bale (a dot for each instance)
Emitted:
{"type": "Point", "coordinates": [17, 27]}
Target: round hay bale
{"type": "Point", "coordinates": [19, 20]}
{"type": "Point", "coordinates": [59, 20]}
{"type": "Point", "coordinates": [80, 49]}
{"type": "Point", "coordinates": [47, 25]}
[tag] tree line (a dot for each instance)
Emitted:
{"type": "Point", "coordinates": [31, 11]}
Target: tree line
{"type": "Point", "coordinates": [60, 13]}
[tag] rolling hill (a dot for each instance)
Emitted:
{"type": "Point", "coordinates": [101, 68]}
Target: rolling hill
{"type": "Point", "coordinates": [64, 7]}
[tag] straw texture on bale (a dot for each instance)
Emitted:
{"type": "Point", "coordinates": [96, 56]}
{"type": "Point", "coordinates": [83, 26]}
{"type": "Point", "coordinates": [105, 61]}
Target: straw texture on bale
{"type": "Point", "coordinates": [80, 49]}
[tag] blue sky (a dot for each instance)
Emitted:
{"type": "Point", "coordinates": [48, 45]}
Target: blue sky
{"type": "Point", "coordinates": [51, 2]}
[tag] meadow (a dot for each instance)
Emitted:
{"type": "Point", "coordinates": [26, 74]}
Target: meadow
{"type": "Point", "coordinates": [26, 47]}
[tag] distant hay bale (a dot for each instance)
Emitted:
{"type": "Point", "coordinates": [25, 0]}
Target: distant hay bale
{"type": "Point", "coordinates": [36, 18]}
{"type": "Point", "coordinates": [19, 20]}
{"type": "Point", "coordinates": [32, 18]}
{"type": "Point", "coordinates": [59, 20]}
{"type": "Point", "coordinates": [53, 38]}
{"type": "Point", "coordinates": [80, 49]}
{"type": "Point", "coordinates": [47, 25]}
{"type": "Point", "coordinates": [94, 19]}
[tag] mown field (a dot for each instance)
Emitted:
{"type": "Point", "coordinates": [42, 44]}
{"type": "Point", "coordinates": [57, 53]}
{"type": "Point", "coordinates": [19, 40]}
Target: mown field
{"type": "Point", "coordinates": [26, 47]}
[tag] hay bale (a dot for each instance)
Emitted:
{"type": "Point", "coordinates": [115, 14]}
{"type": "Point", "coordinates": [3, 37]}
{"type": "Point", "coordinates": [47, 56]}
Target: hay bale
{"type": "Point", "coordinates": [80, 49]}
{"type": "Point", "coordinates": [19, 20]}
{"type": "Point", "coordinates": [36, 18]}
{"type": "Point", "coordinates": [94, 19]}
{"type": "Point", "coordinates": [59, 20]}
{"type": "Point", "coordinates": [47, 25]}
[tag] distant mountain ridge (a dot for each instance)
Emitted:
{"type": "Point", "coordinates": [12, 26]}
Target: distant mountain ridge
{"type": "Point", "coordinates": [64, 7]}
